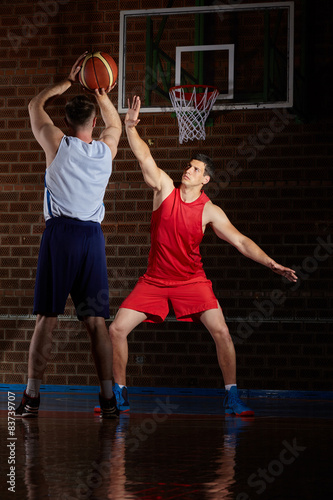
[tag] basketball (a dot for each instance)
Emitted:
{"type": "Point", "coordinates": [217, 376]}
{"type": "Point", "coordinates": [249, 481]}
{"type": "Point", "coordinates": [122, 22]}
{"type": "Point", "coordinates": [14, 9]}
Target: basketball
{"type": "Point", "coordinates": [98, 71]}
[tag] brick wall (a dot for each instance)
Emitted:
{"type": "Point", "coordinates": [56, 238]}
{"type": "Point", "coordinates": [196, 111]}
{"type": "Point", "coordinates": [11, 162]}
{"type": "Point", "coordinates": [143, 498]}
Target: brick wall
{"type": "Point", "coordinates": [280, 197]}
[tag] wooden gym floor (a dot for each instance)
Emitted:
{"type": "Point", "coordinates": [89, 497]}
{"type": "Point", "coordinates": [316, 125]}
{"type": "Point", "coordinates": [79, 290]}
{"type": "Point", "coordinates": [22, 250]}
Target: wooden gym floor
{"type": "Point", "coordinates": [168, 447]}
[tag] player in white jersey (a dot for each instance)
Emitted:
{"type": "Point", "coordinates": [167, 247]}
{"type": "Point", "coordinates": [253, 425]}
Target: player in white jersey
{"type": "Point", "coordinates": [72, 253]}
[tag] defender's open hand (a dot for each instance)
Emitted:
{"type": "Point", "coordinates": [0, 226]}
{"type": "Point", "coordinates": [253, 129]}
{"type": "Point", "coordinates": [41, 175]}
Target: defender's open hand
{"type": "Point", "coordinates": [287, 273]}
{"type": "Point", "coordinates": [131, 118]}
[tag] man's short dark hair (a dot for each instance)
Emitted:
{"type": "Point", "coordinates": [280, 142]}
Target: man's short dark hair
{"type": "Point", "coordinates": [209, 165]}
{"type": "Point", "coordinates": [79, 110]}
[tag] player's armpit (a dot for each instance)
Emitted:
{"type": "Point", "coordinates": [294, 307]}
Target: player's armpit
{"type": "Point", "coordinates": [221, 225]}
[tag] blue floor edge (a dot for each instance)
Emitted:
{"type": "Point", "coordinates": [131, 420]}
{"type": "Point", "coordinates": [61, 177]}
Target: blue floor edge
{"type": "Point", "coordinates": [171, 391]}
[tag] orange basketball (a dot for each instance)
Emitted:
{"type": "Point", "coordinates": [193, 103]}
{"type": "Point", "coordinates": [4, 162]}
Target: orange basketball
{"type": "Point", "coordinates": [98, 71]}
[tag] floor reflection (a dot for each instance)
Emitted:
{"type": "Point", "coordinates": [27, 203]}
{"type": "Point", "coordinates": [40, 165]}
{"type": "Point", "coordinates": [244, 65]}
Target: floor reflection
{"type": "Point", "coordinates": [164, 455]}
{"type": "Point", "coordinates": [34, 476]}
{"type": "Point", "coordinates": [129, 458]}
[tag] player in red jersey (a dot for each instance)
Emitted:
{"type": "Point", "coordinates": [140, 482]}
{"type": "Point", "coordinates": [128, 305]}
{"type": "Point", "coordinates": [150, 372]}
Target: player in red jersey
{"type": "Point", "coordinates": [175, 273]}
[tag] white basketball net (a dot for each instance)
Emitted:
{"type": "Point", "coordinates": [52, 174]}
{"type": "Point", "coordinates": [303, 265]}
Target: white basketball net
{"type": "Point", "coordinates": [192, 109]}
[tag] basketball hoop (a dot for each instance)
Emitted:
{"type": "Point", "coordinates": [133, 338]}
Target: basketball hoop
{"type": "Point", "coordinates": [192, 108]}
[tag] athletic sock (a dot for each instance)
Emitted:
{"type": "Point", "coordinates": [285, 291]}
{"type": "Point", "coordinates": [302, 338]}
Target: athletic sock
{"type": "Point", "coordinates": [228, 386]}
{"type": "Point", "coordinates": [106, 389]}
{"type": "Point", "coordinates": [121, 386]}
{"type": "Point", "coordinates": [33, 386]}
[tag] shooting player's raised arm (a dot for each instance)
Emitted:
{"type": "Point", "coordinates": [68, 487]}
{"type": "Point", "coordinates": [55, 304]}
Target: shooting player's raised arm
{"type": "Point", "coordinates": [112, 131]}
{"type": "Point", "coordinates": [43, 128]}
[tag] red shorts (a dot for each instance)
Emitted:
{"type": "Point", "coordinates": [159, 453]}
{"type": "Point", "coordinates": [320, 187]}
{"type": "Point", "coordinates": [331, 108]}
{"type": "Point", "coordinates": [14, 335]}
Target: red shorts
{"type": "Point", "coordinates": [188, 300]}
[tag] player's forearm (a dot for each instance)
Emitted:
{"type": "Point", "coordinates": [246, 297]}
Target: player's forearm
{"type": "Point", "coordinates": [50, 92]}
{"type": "Point", "coordinates": [138, 146]}
{"type": "Point", "coordinates": [109, 113]}
{"type": "Point", "coordinates": [251, 250]}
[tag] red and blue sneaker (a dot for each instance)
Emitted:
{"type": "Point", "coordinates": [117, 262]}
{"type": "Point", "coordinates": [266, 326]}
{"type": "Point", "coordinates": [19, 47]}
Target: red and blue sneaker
{"type": "Point", "coordinates": [122, 398]}
{"type": "Point", "coordinates": [233, 404]}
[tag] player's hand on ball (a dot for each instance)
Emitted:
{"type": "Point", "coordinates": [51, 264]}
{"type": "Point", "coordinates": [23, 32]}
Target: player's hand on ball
{"type": "Point", "coordinates": [100, 92]}
{"type": "Point", "coordinates": [76, 68]}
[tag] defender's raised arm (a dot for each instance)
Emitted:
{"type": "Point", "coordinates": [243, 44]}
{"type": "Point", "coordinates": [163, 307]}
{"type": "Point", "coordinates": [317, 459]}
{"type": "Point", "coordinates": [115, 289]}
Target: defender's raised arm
{"type": "Point", "coordinates": [153, 176]}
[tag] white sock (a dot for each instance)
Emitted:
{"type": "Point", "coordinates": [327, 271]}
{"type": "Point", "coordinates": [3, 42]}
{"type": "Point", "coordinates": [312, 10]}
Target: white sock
{"type": "Point", "coordinates": [106, 389]}
{"type": "Point", "coordinates": [120, 386]}
{"type": "Point", "coordinates": [33, 386]}
{"type": "Point", "coordinates": [228, 386]}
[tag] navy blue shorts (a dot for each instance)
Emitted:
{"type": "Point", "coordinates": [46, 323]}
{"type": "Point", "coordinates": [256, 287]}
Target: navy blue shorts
{"type": "Point", "coordinates": [72, 261]}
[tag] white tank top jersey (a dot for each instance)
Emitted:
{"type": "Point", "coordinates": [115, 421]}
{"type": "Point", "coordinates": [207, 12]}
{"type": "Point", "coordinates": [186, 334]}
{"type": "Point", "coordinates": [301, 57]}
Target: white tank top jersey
{"type": "Point", "coordinates": [76, 180]}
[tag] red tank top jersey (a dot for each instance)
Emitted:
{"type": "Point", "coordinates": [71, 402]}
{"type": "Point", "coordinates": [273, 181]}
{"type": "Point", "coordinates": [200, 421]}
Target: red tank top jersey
{"type": "Point", "coordinates": [176, 233]}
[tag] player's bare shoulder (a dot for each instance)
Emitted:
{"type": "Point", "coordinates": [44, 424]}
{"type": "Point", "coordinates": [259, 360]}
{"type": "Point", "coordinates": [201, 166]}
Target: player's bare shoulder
{"type": "Point", "coordinates": [166, 188]}
{"type": "Point", "coordinates": [212, 213]}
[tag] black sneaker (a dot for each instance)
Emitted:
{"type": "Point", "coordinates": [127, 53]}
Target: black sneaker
{"type": "Point", "coordinates": [108, 407]}
{"type": "Point", "coordinates": [28, 406]}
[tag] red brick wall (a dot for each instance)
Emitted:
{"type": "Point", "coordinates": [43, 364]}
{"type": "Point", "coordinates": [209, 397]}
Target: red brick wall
{"type": "Point", "coordinates": [279, 196]}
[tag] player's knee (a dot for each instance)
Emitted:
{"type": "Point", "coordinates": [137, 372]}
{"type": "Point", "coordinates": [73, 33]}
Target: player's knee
{"type": "Point", "coordinates": [94, 321]}
{"type": "Point", "coordinates": [46, 323]}
{"type": "Point", "coordinates": [95, 325]}
{"type": "Point", "coordinates": [116, 331]}
{"type": "Point", "coordinates": [221, 333]}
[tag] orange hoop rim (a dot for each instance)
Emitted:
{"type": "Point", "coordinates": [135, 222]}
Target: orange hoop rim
{"type": "Point", "coordinates": [188, 86]}
{"type": "Point", "coordinates": [198, 96]}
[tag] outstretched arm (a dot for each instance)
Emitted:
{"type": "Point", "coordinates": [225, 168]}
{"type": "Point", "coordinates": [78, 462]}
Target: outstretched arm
{"type": "Point", "coordinates": [112, 132]}
{"type": "Point", "coordinates": [43, 128]}
{"type": "Point", "coordinates": [226, 231]}
{"type": "Point", "coordinates": [153, 176]}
